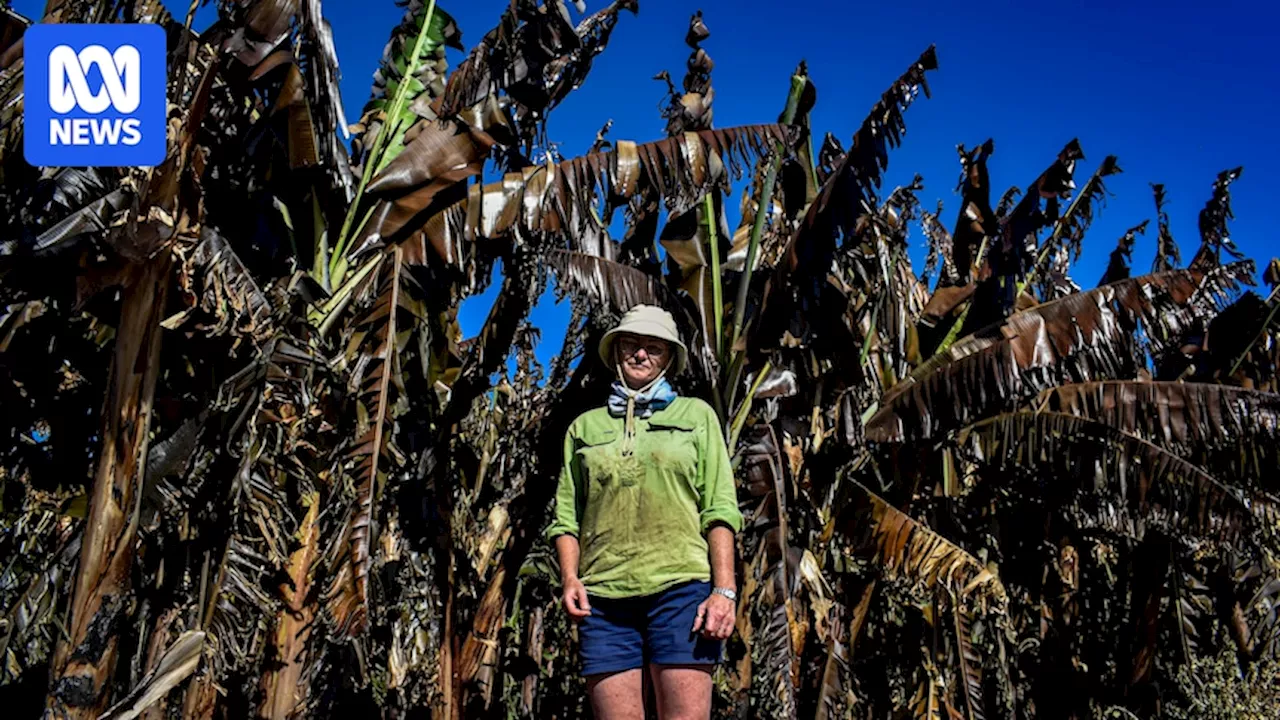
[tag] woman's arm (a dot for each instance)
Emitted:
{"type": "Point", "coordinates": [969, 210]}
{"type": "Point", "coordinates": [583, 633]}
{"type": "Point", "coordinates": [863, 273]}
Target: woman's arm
{"type": "Point", "coordinates": [574, 593]}
{"type": "Point", "coordinates": [718, 493]}
{"type": "Point", "coordinates": [720, 519]}
{"type": "Point", "coordinates": [720, 540]}
{"type": "Point", "coordinates": [564, 532]}
{"type": "Point", "coordinates": [716, 614]}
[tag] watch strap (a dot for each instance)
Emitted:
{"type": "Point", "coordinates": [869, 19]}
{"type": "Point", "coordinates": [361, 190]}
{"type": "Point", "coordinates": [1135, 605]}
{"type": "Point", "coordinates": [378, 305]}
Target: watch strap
{"type": "Point", "coordinates": [725, 592]}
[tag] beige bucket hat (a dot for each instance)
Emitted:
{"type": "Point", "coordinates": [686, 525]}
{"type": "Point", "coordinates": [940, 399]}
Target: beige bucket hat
{"type": "Point", "coordinates": [649, 321]}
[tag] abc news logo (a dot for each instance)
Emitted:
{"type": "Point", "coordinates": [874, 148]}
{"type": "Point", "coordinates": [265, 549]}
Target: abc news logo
{"type": "Point", "coordinates": [69, 89]}
{"type": "Point", "coordinates": [94, 95]}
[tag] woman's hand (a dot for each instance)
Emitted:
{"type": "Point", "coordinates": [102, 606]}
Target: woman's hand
{"type": "Point", "coordinates": [575, 599]}
{"type": "Point", "coordinates": [575, 594]}
{"type": "Point", "coordinates": [715, 617]}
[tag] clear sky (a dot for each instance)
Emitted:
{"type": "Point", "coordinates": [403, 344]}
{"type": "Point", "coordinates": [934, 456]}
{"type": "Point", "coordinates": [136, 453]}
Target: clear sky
{"type": "Point", "coordinates": [1178, 90]}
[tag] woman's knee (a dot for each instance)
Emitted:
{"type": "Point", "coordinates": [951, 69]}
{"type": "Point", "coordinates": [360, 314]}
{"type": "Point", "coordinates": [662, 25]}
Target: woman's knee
{"type": "Point", "coordinates": [683, 691]}
{"type": "Point", "coordinates": [617, 695]}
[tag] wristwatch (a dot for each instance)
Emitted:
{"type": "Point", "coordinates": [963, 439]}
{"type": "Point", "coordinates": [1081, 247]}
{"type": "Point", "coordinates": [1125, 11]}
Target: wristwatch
{"type": "Point", "coordinates": [733, 596]}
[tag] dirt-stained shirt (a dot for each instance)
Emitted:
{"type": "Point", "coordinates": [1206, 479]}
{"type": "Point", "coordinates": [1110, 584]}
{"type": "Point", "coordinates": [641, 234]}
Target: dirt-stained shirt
{"type": "Point", "coordinates": [641, 519]}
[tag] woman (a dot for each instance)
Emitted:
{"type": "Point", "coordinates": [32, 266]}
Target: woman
{"type": "Point", "coordinates": [646, 512]}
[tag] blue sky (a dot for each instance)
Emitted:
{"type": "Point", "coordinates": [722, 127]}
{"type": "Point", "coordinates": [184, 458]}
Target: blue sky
{"type": "Point", "coordinates": [1178, 93]}
{"type": "Point", "coordinates": [1178, 90]}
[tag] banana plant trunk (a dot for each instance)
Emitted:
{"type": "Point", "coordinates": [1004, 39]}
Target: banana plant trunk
{"type": "Point", "coordinates": [282, 692]}
{"type": "Point", "coordinates": [86, 656]}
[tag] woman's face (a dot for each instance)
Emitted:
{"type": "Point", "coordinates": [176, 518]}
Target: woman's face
{"type": "Point", "coordinates": [642, 358]}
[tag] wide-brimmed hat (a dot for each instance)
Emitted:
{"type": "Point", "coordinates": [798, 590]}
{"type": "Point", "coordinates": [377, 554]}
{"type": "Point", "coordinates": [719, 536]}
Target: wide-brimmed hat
{"type": "Point", "coordinates": [649, 321]}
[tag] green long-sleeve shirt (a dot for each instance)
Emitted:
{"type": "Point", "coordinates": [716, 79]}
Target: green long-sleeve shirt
{"type": "Point", "coordinates": [641, 520]}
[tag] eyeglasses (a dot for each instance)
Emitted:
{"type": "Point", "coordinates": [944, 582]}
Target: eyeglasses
{"type": "Point", "coordinates": [653, 349]}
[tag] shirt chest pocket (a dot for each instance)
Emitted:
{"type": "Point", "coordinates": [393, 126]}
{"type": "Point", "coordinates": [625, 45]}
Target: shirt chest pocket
{"type": "Point", "coordinates": [671, 445]}
{"type": "Point", "coordinates": [600, 452]}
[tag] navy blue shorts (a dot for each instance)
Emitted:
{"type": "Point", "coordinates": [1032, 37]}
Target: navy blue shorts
{"type": "Point", "coordinates": [625, 633]}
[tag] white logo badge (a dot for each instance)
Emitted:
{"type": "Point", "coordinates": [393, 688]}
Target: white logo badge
{"type": "Point", "coordinates": [69, 83]}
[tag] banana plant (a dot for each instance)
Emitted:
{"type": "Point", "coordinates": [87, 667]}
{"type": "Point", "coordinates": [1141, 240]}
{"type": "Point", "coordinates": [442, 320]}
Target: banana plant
{"type": "Point", "coordinates": [254, 464]}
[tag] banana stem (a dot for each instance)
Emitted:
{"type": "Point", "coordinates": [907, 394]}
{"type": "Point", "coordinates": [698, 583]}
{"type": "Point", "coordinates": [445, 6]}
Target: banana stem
{"type": "Point", "coordinates": [741, 418]}
{"type": "Point", "coordinates": [709, 209]}
{"type": "Point", "coordinates": [389, 127]}
{"type": "Point", "coordinates": [954, 332]}
{"type": "Point", "coordinates": [762, 210]}
{"type": "Point", "coordinates": [757, 230]}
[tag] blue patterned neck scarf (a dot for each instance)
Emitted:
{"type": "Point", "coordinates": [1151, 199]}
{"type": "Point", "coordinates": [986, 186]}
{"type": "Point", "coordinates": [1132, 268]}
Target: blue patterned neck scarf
{"type": "Point", "coordinates": [646, 402]}
{"type": "Point", "coordinates": [628, 403]}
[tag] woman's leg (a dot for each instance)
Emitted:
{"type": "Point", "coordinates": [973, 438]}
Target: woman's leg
{"type": "Point", "coordinates": [617, 696]}
{"type": "Point", "coordinates": [680, 660]}
{"type": "Point", "coordinates": [613, 659]}
{"type": "Point", "coordinates": [683, 692]}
